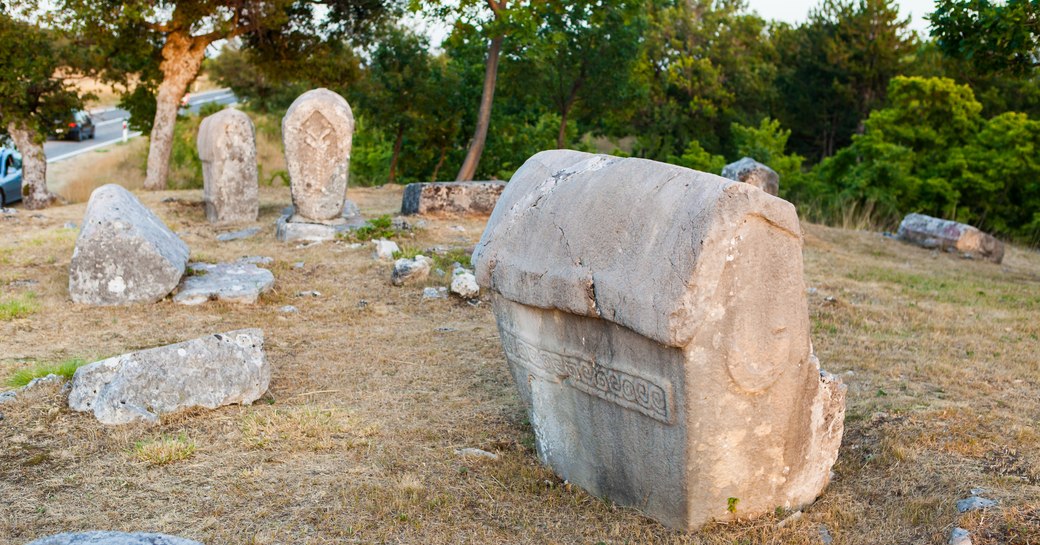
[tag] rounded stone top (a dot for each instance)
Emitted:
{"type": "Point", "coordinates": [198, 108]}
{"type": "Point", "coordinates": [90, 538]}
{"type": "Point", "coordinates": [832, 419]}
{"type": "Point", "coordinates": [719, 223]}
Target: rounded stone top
{"type": "Point", "coordinates": [227, 122]}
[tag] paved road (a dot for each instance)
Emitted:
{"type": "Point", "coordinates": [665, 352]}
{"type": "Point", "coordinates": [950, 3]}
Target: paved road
{"type": "Point", "coordinates": [109, 126]}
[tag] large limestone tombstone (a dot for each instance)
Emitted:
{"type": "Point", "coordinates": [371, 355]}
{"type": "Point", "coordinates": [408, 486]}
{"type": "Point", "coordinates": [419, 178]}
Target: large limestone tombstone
{"type": "Point", "coordinates": [752, 172]}
{"type": "Point", "coordinates": [124, 254]}
{"type": "Point", "coordinates": [950, 236]}
{"type": "Point", "coordinates": [227, 148]}
{"type": "Point", "coordinates": [317, 131]}
{"type": "Point", "coordinates": [655, 323]}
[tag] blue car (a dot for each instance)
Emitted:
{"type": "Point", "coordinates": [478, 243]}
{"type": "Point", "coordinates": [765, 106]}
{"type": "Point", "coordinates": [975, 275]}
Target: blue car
{"type": "Point", "coordinates": [10, 176]}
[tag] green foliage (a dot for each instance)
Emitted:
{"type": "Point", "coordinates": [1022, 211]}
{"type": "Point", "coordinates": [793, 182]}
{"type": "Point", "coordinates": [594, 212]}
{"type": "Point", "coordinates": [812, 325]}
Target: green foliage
{"type": "Point", "coordinates": [370, 155]}
{"type": "Point", "coordinates": [18, 307]}
{"type": "Point", "coordinates": [767, 144]}
{"type": "Point", "coordinates": [376, 228]}
{"type": "Point", "coordinates": [994, 36]}
{"type": "Point", "coordinates": [697, 158]}
{"type": "Point", "coordinates": [185, 164]}
{"type": "Point", "coordinates": [65, 369]}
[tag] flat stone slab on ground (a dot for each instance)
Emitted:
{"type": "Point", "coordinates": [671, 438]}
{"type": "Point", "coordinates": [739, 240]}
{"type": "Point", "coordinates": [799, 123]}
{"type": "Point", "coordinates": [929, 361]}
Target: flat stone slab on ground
{"type": "Point", "coordinates": [238, 235]}
{"type": "Point", "coordinates": [950, 236]}
{"type": "Point", "coordinates": [289, 230]}
{"type": "Point", "coordinates": [124, 253]}
{"type": "Point", "coordinates": [451, 198]}
{"type": "Point", "coordinates": [229, 282]}
{"type": "Point", "coordinates": [112, 538]}
{"type": "Point", "coordinates": [663, 352]}
{"type": "Point", "coordinates": [211, 371]}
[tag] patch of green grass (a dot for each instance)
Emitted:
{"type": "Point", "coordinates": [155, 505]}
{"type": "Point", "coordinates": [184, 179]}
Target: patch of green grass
{"type": "Point", "coordinates": [164, 449]}
{"type": "Point", "coordinates": [443, 261]}
{"type": "Point", "coordinates": [65, 369]}
{"type": "Point", "coordinates": [376, 228]}
{"type": "Point", "coordinates": [18, 307]}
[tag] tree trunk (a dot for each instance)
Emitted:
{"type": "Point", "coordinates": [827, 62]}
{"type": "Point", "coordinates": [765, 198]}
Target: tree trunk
{"type": "Point", "coordinates": [440, 162]}
{"type": "Point", "coordinates": [182, 58]}
{"type": "Point", "coordinates": [476, 146]}
{"type": "Point", "coordinates": [34, 166]}
{"type": "Point", "coordinates": [397, 152]}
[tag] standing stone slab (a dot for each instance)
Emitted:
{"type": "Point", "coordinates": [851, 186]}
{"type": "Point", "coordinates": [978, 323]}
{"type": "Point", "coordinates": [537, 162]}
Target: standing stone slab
{"type": "Point", "coordinates": [655, 323]}
{"type": "Point", "coordinates": [451, 198]}
{"type": "Point", "coordinates": [209, 372]}
{"type": "Point", "coordinates": [113, 538]}
{"type": "Point", "coordinates": [950, 236]}
{"type": "Point", "coordinates": [752, 172]}
{"type": "Point", "coordinates": [227, 148]}
{"type": "Point", "coordinates": [317, 131]}
{"type": "Point", "coordinates": [124, 254]}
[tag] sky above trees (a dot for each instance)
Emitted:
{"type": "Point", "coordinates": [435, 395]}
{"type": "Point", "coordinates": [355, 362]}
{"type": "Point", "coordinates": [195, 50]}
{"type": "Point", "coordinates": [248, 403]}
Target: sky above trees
{"type": "Point", "coordinates": [797, 11]}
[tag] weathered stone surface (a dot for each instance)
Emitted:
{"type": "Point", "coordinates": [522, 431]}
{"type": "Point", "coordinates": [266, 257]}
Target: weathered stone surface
{"type": "Point", "coordinates": [950, 236]}
{"type": "Point", "coordinates": [959, 536]}
{"type": "Point", "coordinates": [385, 249]}
{"type": "Point", "coordinates": [297, 229]}
{"type": "Point", "coordinates": [440, 292]}
{"type": "Point", "coordinates": [238, 235]}
{"type": "Point", "coordinates": [227, 148]}
{"type": "Point", "coordinates": [317, 131]}
{"type": "Point", "coordinates": [451, 198]}
{"type": "Point", "coordinates": [209, 372]}
{"type": "Point", "coordinates": [658, 368]}
{"type": "Point", "coordinates": [464, 284]}
{"type": "Point", "coordinates": [752, 172]}
{"type": "Point", "coordinates": [229, 282]}
{"type": "Point", "coordinates": [124, 253]}
{"type": "Point", "coordinates": [407, 271]}
{"type": "Point", "coordinates": [112, 538]}
{"type": "Point", "coordinates": [974, 503]}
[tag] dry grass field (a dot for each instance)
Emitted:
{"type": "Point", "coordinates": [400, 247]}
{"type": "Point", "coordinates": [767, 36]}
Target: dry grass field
{"type": "Point", "coordinates": [374, 390]}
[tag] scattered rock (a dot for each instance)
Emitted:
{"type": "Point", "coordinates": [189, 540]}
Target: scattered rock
{"type": "Point", "coordinates": [451, 198]}
{"type": "Point", "coordinates": [229, 282]}
{"type": "Point", "coordinates": [309, 293]}
{"type": "Point", "coordinates": [458, 228]}
{"type": "Point", "coordinates": [950, 236]}
{"type": "Point", "coordinates": [445, 329]}
{"type": "Point", "coordinates": [317, 131]}
{"type": "Point", "coordinates": [752, 172]}
{"type": "Point", "coordinates": [435, 293]}
{"type": "Point", "coordinates": [209, 372]}
{"type": "Point", "coordinates": [350, 209]}
{"type": "Point", "coordinates": [112, 538]}
{"type": "Point", "coordinates": [298, 228]}
{"type": "Point", "coordinates": [476, 452]}
{"type": "Point", "coordinates": [23, 283]}
{"type": "Point", "coordinates": [124, 253]}
{"type": "Point", "coordinates": [69, 225]}
{"type": "Point", "coordinates": [825, 535]}
{"type": "Point", "coordinates": [408, 271]}
{"type": "Point", "coordinates": [960, 536]}
{"type": "Point", "coordinates": [362, 303]}
{"type": "Point", "coordinates": [464, 284]}
{"type": "Point", "coordinates": [257, 260]}
{"type": "Point", "coordinates": [974, 503]}
{"type": "Point", "coordinates": [797, 515]}
{"type": "Point", "coordinates": [298, 265]}
{"type": "Point", "coordinates": [288, 309]}
{"type": "Point", "coordinates": [238, 235]}
{"type": "Point", "coordinates": [8, 211]}
{"type": "Point", "coordinates": [227, 148]}
{"type": "Point", "coordinates": [385, 249]}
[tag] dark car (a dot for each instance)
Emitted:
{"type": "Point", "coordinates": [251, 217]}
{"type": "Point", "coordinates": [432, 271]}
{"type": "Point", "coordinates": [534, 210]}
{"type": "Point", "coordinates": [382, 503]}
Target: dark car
{"type": "Point", "coordinates": [10, 176]}
{"type": "Point", "coordinates": [78, 126]}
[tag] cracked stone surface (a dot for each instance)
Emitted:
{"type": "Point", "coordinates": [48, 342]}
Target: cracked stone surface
{"type": "Point", "coordinates": [124, 253]}
{"type": "Point", "coordinates": [750, 171]}
{"type": "Point", "coordinates": [227, 149]}
{"type": "Point", "coordinates": [229, 282]}
{"type": "Point", "coordinates": [974, 503]}
{"type": "Point", "coordinates": [662, 350]}
{"type": "Point", "coordinates": [451, 198]}
{"type": "Point", "coordinates": [410, 271]}
{"type": "Point", "coordinates": [112, 538]}
{"type": "Point", "coordinates": [211, 371]}
{"type": "Point", "coordinates": [317, 131]}
{"type": "Point", "coordinates": [950, 236]}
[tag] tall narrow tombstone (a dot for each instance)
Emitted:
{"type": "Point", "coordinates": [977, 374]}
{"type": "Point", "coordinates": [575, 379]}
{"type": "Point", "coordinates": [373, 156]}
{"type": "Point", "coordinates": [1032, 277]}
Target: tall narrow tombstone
{"type": "Point", "coordinates": [654, 320]}
{"type": "Point", "coordinates": [317, 132]}
{"type": "Point", "coordinates": [227, 148]}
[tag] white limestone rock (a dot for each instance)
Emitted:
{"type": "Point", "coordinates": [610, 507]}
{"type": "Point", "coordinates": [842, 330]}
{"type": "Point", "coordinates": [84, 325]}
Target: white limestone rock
{"type": "Point", "coordinates": [239, 282]}
{"type": "Point", "coordinates": [227, 149]}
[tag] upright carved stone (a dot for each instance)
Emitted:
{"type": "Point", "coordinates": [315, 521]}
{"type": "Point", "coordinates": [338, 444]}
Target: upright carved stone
{"type": "Point", "coordinates": [752, 172]}
{"type": "Point", "coordinates": [227, 148]}
{"type": "Point", "coordinates": [658, 366]}
{"type": "Point", "coordinates": [950, 236]}
{"type": "Point", "coordinates": [317, 131]}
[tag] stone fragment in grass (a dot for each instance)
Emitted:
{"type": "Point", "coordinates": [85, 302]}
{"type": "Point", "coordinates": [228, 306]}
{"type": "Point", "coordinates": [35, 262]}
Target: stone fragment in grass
{"type": "Point", "coordinates": [124, 253]}
{"type": "Point", "coordinates": [974, 503]}
{"type": "Point", "coordinates": [750, 171]}
{"type": "Point", "coordinates": [451, 198]}
{"type": "Point", "coordinates": [227, 149]}
{"type": "Point", "coordinates": [950, 236]}
{"type": "Point", "coordinates": [464, 284]}
{"type": "Point", "coordinates": [959, 536]}
{"type": "Point", "coordinates": [477, 453]}
{"type": "Point", "coordinates": [410, 271]}
{"type": "Point", "coordinates": [241, 283]}
{"type": "Point", "coordinates": [385, 249]}
{"type": "Point", "coordinates": [435, 293]}
{"type": "Point", "coordinates": [288, 309]}
{"type": "Point", "coordinates": [112, 538]}
{"type": "Point", "coordinates": [209, 372]}
{"type": "Point", "coordinates": [238, 235]}
{"type": "Point", "coordinates": [658, 367]}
